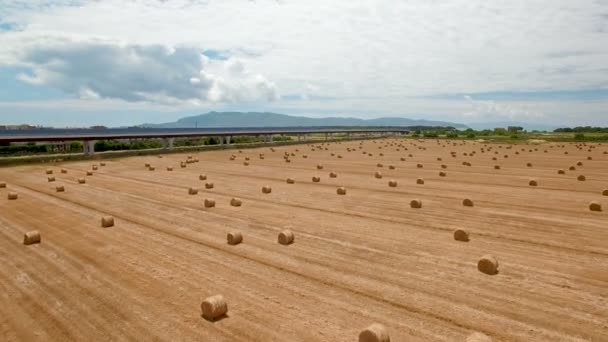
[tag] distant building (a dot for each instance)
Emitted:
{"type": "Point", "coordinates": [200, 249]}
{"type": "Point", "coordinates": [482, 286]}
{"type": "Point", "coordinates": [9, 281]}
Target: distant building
{"type": "Point", "coordinates": [98, 127]}
{"type": "Point", "coordinates": [515, 129]}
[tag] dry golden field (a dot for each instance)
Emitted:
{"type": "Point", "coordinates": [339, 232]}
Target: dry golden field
{"type": "Point", "coordinates": [360, 258]}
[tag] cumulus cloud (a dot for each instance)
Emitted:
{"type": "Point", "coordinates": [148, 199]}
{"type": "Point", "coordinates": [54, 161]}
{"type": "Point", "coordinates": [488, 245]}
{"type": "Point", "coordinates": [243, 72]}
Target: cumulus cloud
{"type": "Point", "coordinates": [93, 68]}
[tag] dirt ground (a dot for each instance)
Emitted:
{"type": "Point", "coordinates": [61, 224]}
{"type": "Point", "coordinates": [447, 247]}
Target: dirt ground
{"type": "Point", "coordinates": [357, 259]}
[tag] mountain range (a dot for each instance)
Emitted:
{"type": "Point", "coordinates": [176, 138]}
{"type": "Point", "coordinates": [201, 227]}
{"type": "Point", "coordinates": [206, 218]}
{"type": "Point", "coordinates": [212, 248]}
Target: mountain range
{"type": "Point", "coordinates": [263, 119]}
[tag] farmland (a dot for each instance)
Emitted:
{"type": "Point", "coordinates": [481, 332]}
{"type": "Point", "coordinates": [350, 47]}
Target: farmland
{"type": "Point", "coordinates": [359, 257]}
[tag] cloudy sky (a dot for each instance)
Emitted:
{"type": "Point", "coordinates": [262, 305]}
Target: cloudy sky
{"type": "Point", "coordinates": [123, 62]}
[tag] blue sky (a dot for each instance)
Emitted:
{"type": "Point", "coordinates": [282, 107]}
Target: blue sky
{"type": "Point", "coordinates": [79, 63]}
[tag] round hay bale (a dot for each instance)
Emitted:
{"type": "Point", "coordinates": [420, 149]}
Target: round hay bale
{"type": "Point", "coordinates": [374, 333]}
{"type": "Point", "coordinates": [64, 171]}
{"type": "Point", "coordinates": [467, 202]}
{"type": "Point", "coordinates": [419, 181]}
{"type": "Point", "coordinates": [416, 204]}
{"type": "Point", "coordinates": [12, 196]}
{"type": "Point", "coordinates": [589, 158]}
{"type": "Point", "coordinates": [461, 235]}
{"type": "Point", "coordinates": [561, 172]}
{"type": "Point", "coordinates": [49, 172]}
{"type": "Point", "coordinates": [151, 168]}
{"type": "Point", "coordinates": [209, 203]}
{"type": "Point", "coordinates": [316, 179]}
{"type": "Point", "coordinates": [31, 237]}
{"type": "Point", "coordinates": [214, 307]}
{"type": "Point", "coordinates": [529, 164]}
{"type": "Point", "coordinates": [290, 181]}
{"type": "Point", "coordinates": [442, 174]}
{"type": "Point", "coordinates": [496, 167]}
{"type": "Point", "coordinates": [94, 167]}
{"type": "Point", "coordinates": [169, 168]}
{"type": "Point", "coordinates": [533, 182]}
{"type": "Point", "coordinates": [579, 163]}
{"type": "Point", "coordinates": [208, 185]}
{"type": "Point", "coordinates": [192, 191]}
{"type": "Point", "coordinates": [266, 189]}
{"type": "Point", "coordinates": [581, 178]}
{"type": "Point", "coordinates": [286, 237]}
{"type": "Point", "coordinates": [234, 238]}
{"type": "Point", "coordinates": [51, 179]}
{"type": "Point", "coordinates": [605, 192]}
{"type": "Point", "coordinates": [102, 164]}
{"type": "Point", "coordinates": [478, 337]}
{"type": "Point", "coordinates": [341, 191]}
{"type": "Point", "coordinates": [488, 265]}
{"type": "Point", "coordinates": [319, 167]}
{"type": "Point", "coordinates": [392, 183]}
{"type": "Point", "coordinates": [60, 188]}
{"type": "Point", "coordinates": [443, 166]}
{"type": "Point", "coordinates": [379, 165]}
{"type": "Point", "coordinates": [107, 221]}
{"type": "Point", "coordinates": [202, 177]}
{"type": "Point", "coordinates": [147, 165]}
{"type": "Point", "coordinates": [420, 166]}
{"type": "Point", "coordinates": [378, 174]}
{"type": "Point", "coordinates": [2, 185]}
{"type": "Point", "coordinates": [572, 168]}
{"type": "Point", "coordinates": [595, 206]}
{"type": "Point", "coordinates": [236, 202]}
{"type": "Point", "coordinates": [333, 175]}
{"type": "Point", "coordinates": [246, 163]}
{"type": "Point", "coordinates": [402, 159]}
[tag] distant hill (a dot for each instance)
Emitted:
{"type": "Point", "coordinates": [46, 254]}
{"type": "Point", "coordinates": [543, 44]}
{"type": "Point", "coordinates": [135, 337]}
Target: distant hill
{"type": "Point", "coordinates": [257, 119]}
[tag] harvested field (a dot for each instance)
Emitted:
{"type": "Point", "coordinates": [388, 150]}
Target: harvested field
{"type": "Point", "coordinates": [357, 260]}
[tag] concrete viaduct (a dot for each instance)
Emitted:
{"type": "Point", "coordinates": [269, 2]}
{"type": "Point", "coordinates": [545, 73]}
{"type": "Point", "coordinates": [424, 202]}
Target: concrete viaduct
{"type": "Point", "coordinates": [90, 136]}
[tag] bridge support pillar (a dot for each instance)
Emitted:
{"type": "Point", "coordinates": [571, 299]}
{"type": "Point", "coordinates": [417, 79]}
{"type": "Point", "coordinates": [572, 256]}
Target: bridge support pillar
{"type": "Point", "coordinates": [228, 139]}
{"type": "Point", "coordinates": [168, 143]}
{"type": "Point", "coordinates": [89, 147]}
{"type": "Point", "coordinates": [268, 138]}
{"type": "Point", "coordinates": [326, 136]}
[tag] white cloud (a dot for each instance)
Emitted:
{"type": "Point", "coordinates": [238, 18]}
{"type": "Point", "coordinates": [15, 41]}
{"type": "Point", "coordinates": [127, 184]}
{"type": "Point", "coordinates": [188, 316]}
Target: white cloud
{"type": "Point", "coordinates": [95, 68]}
{"type": "Point", "coordinates": [343, 49]}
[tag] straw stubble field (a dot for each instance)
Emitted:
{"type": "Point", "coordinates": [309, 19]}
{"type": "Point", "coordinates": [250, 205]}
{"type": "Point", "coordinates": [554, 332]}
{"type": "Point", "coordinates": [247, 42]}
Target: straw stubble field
{"type": "Point", "coordinates": [368, 256]}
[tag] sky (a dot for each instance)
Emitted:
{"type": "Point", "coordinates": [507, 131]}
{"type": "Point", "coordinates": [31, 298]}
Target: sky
{"type": "Point", "coordinates": [74, 63]}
